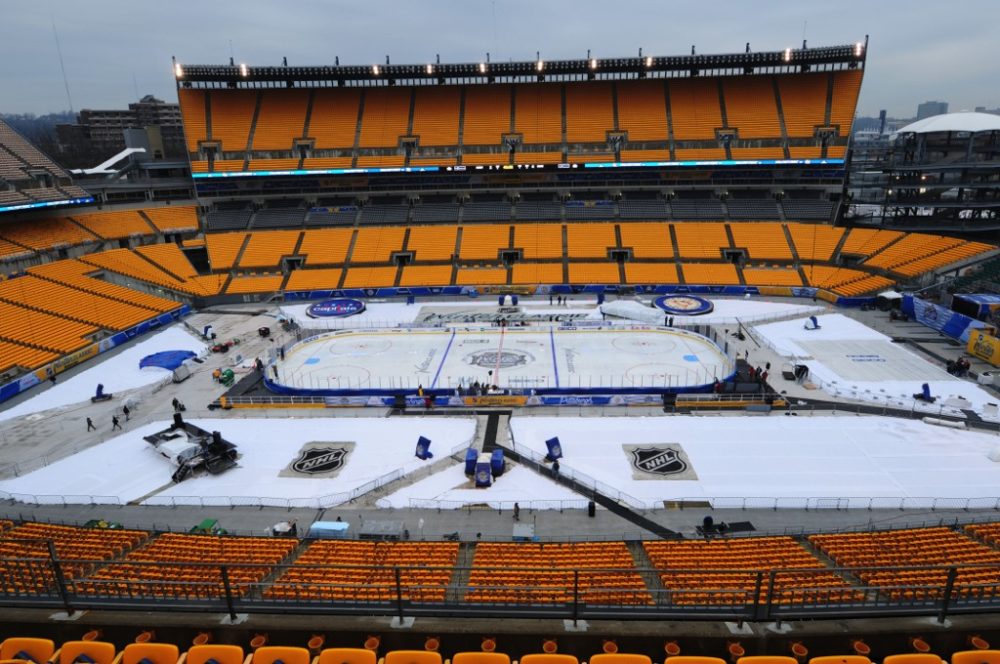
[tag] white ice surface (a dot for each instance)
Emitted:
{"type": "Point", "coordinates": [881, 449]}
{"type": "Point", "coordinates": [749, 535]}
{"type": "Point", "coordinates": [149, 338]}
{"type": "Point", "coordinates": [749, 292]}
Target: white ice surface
{"type": "Point", "coordinates": [795, 461]}
{"type": "Point", "coordinates": [118, 373]}
{"type": "Point", "coordinates": [451, 489]}
{"type": "Point", "coordinates": [127, 468]}
{"type": "Point", "coordinates": [840, 365]}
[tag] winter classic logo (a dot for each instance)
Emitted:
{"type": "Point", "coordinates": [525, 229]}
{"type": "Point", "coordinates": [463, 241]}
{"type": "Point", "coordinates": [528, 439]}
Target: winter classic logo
{"type": "Point", "coordinates": [659, 462]}
{"type": "Point", "coordinates": [339, 308]}
{"type": "Point", "coordinates": [498, 359]}
{"type": "Point", "coordinates": [319, 459]}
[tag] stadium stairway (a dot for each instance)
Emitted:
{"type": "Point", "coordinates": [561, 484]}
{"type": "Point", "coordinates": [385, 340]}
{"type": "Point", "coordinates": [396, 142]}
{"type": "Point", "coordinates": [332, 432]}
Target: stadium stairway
{"type": "Point", "coordinates": [606, 502]}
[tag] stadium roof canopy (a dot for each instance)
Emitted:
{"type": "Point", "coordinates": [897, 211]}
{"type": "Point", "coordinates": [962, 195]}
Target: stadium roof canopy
{"type": "Point", "coordinates": [953, 122]}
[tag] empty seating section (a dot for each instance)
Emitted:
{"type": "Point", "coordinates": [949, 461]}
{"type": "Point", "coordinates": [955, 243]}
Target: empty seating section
{"type": "Point", "coordinates": [757, 209]}
{"type": "Point", "coordinates": [485, 158]}
{"type": "Point", "coordinates": [762, 241]}
{"type": "Point", "coordinates": [725, 572]}
{"type": "Point", "coordinates": [651, 273]}
{"type": "Point", "coordinates": [484, 242]}
{"type": "Point", "coordinates": [74, 273]}
{"type": "Point", "coordinates": [750, 106]}
{"type": "Point", "coordinates": [232, 113]}
{"type": "Point", "coordinates": [227, 165]}
{"type": "Point", "coordinates": [544, 573]}
{"type": "Point", "coordinates": [315, 279]}
{"type": "Point", "coordinates": [113, 225]}
{"type": "Point", "coordinates": [129, 264]}
{"type": "Point", "coordinates": [844, 281]}
{"type": "Point", "coordinates": [937, 259]}
{"type": "Point", "coordinates": [694, 108]}
{"type": "Point", "coordinates": [483, 276]}
{"type": "Point", "coordinates": [281, 119]}
{"type": "Point", "coordinates": [435, 115]}
{"type": "Point", "coordinates": [589, 112]}
{"type": "Point", "coordinates": [539, 240]}
{"type": "Point", "coordinates": [538, 157]}
{"type": "Point", "coordinates": [14, 355]}
{"type": "Point", "coordinates": [193, 114]}
{"type": "Point", "coordinates": [325, 246]}
{"type": "Point", "coordinates": [538, 113]}
{"type": "Point", "coordinates": [320, 163]}
{"type": "Point", "coordinates": [642, 111]}
{"type": "Point", "coordinates": [265, 250]}
{"type": "Point", "coordinates": [435, 212]}
{"type": "Point", "coordinates": [334, 119]}
{"type": "Point", "coordinates": [79, 549]}
{"type": "Point", "coordinates": [223, 248]}
{"type": "Point", "coordinates": [387, 112]}
{"type": "Point", "coordinates": [700, 154]}
{"type": "Point", "coordinates": [227, 220]}
{"type": "Point", "coordinates": [987, 532]}
{"type": "Point", "coordinates": [279, 218]}
{"type": "Point", "coordinates": [274, 164]}
{"type": "Point", "coordinates": [846, 86]}
{"type": "Point", "coordinates": [426, 275]}
{"type": "Point", "coordinates": [44, 234]}
{"type": "Point", "coordinates": [758, 153]}
{"type": "Point", "coordinates": [537, 273]}
{"type": "Point", "coordinates": [815, 242]}
{"type": "Point", "coordinates": [927, 551]}
{"type": "Point", "coordinates": [365, 571]}
{"type": "Point", "coordinates": [590, 240]}
{"type": "Point", "coordinates": [700, 240]}
{"type": "Point", "coordinates": [771, 277]}
{"type": "Point", "coordinates": [867, 241]}
{"type": "Point", "coordinates": [381, 161]}
{"type": "Point", "coordinates": [43, 295]}
{"type": "Point", "coordinates": [911, 247]}
{"type": "Point", "coordinates": [42, 330]}
{"type": "Point", "coordinates": [709, 274]}
{"type": "Point", "coordinates": [266, 283]}
{"type": "Point", "coordinates": [383, 214]}
{"type": "Point", "coordinates": [370, 277]}
{"type": "Point", "coordinates": [376, 245]}
{"type": "Point", "coordinates": [594, 273]}
{"type": "Point", "coordinates": [167, 219]}
{"type": "Point", "coordinates": [432, 243]}
{"type": "Point", "coordinates": [487, 115]}
{"type": "Point", "coordinates": [11, 251]}
{"type": "Point", "coordinates": [803, 102]}
{"type": "Point", "coordinates": [165, 567]}
{"type": "Point", "coordinates": [495, 211]}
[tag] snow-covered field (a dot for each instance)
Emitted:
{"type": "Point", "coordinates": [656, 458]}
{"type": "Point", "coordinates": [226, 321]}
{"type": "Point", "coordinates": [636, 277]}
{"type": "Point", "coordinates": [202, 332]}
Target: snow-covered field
{"type": "Point", "coordinates": [787, 461]}
{"type": "Point", "coordinates": [451, 489]}
{"type": "Point", "coordinates": [850, 360]}
{"type": "Point", "coordinates": [118, 374]}
{"type": "Point", "coordinates": [126, 468]}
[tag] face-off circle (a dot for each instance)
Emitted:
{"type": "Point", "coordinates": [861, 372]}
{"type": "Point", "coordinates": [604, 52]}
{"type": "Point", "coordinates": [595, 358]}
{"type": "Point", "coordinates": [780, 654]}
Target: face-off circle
{"type": "Point", "coordinates": [684, 305]}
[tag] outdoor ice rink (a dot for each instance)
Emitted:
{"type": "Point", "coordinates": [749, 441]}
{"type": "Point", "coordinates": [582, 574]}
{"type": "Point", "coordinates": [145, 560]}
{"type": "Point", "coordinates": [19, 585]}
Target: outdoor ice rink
{"type": "Point", "coordinates": [618, 358]}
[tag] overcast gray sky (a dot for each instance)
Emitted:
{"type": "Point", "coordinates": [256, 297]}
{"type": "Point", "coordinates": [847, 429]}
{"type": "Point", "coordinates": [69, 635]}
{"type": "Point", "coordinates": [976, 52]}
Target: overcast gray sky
{"type": "Point", "coordinates": [920, 49]}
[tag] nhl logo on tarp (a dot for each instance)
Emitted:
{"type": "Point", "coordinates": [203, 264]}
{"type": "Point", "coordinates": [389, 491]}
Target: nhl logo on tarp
{"type": "Point", "coordinates": [659, 461]}
{"type": "Point", "coordinates": [318, 460]}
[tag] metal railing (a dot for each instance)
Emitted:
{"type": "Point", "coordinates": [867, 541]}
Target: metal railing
{"type": "Point", "coordinates": [553, 591]}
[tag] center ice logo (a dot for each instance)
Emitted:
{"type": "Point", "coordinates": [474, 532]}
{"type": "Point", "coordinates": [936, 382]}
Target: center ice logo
{"type": "Point", "coordinates": [505, 359]}
{"type": "Point", "coordinates": [660, 461]}
{"type": "Point", "coordinates": [317, 460]}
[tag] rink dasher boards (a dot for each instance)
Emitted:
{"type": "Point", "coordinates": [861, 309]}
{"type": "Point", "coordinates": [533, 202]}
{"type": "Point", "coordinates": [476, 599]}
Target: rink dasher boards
{"type": "Point", "coordinates": [519, 358]}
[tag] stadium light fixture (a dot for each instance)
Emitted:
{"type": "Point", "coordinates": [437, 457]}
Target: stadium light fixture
{"type": "Point", "coordinates": [430, 69]}
{"type": "Point", "coordinates": [376, 70]}
{"type": "Point", "coordinates": [649, 61]}
{"type": "Point", "coordinates": [540, 65]}
{"type": "Point", "coordinates": [243, 69]}
{"type": "Point", "coordinates": [858, 47]}
{"type": "Point", "coordinates": [178, 70]}
{"type": "Point", "coordinates": [788, 55]}
{"type": "Point", "coordinates": [593, 63]}
{"type": "Point", "coordinates": [482, 67]}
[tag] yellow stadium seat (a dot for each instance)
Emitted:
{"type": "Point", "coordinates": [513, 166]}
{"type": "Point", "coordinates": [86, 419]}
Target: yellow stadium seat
{"type": "Point", "coordinates": [913, 658]}
{"type": "Point", "coordinates": [151, 653]}
{"type": "Point", "coordinates": [766, 659]}
{"type": "Point", "coordinates": [346, 656]}
{"type": "Point", "coordinates": [480, 658]}
{"type": "Point", "coordinates": [976, 657]}
{"type": "Point", "coordinates": [620, 658]}
{"type": "Point", "coordinates": [27, 648]}
{"type": "Point", "coordinates": [548, 658]}
{"type": "Point", "coordinates": [281, 655]}
{"type": "Point", "coordinates": [693, 659]}
{"type": "Point", "coordinates": [841, 659]}
{"type": "Point", "coordinates": [92, 652]}
{"type": "Point", "coordinates": [220, 654]}
{"type": "Point", "coordinates": [412, 657]}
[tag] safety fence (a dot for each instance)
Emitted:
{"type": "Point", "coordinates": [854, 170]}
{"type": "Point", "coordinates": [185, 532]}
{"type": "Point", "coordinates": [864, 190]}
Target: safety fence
{"type": "Point", "coordinates": [514, 590]}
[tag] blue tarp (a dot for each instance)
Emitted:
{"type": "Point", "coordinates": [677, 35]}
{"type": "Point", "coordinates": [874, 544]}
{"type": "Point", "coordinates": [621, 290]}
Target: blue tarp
{"type": "Point", "coordinates": [167, 359]}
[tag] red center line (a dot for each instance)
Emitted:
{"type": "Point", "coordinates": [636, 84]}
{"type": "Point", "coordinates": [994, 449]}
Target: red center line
{"type": "Point", "coordinates": [496, 369]}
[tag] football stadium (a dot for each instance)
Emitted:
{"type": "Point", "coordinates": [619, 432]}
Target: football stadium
{"type": "Point", "coordinates": [551, 361]}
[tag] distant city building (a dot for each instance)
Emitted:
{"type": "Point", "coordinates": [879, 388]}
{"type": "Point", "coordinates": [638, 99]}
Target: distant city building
{"type": "Point", "coordinates": [931, 108]}
{"type": "Point", "coordinates": [992, 111]}
{"type": "Point", "coordinates": [102, 132]}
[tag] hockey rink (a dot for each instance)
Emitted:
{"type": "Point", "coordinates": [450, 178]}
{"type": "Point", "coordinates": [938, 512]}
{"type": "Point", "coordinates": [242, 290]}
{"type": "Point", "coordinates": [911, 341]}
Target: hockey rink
{"type": "Point", "coordinates": [511, 358]}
